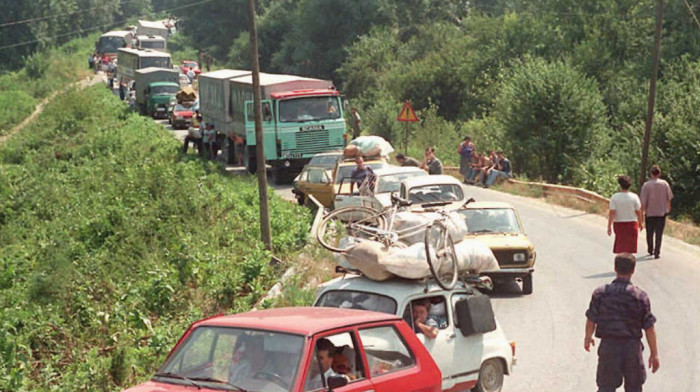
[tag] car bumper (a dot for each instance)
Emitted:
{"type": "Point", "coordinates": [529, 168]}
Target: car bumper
{"type": "Point", "coordinates": [508, 273]}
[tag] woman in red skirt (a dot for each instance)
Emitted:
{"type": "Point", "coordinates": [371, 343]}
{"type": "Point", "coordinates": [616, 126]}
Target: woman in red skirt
{"type": "Point", "coordinates": [625, 217]}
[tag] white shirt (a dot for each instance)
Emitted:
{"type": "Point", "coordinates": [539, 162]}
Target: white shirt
{"type": "Point", "coordinates": [625, 204]}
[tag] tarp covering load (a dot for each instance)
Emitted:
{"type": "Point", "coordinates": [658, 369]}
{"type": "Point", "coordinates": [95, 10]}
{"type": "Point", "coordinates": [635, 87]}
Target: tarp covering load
{"type": "Point", "coordinates": [186, 94]}
{"type": "Point", "coordinates": [368, 146]}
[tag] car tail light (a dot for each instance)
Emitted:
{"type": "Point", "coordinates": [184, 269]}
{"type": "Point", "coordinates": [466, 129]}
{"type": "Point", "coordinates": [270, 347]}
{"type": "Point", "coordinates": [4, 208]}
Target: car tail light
{"type": "Point", "coordinates": [512, 347]}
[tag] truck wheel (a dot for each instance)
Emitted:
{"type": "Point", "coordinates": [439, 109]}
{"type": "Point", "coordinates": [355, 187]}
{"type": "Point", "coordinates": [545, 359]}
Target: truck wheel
{"type": "Point", "coordinates": [490, 376]}
{"type": "Point", "coordinates": [527, 284]}
{"type": "Point", "coordinates": [279, 175]}
{"type": "Point", "coordinates": [229, 151]}
{"type": "Point", "coordinates": [249, 159]}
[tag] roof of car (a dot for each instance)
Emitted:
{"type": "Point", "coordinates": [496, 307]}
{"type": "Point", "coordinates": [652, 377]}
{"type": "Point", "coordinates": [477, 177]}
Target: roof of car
{"type": "Point", "coordinates": [395, 288]}
{"type": "Point", "coordinates": [389, 170]}
{"type": "Point", "coordinates": [351, 161]}
{"type": "Point", "coordinates": [488, 204]}
{"type": "Point", "coordinates": [334, 152]}
{"type": "Point", "coordinates": [300, 320]}
{"type": "Point", "coordinates": [431, 180]}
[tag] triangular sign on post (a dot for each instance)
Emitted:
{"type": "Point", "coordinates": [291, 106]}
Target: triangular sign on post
{"type": "Point", "coordinates": [407, 113]}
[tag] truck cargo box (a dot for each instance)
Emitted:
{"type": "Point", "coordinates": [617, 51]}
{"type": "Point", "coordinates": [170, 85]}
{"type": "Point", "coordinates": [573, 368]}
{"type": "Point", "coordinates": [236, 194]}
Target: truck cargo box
{"type": "Point", "coordinates": [143, 77]}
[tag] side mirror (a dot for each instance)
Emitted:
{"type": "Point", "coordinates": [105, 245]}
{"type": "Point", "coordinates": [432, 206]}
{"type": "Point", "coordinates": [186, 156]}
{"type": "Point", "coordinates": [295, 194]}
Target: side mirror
{"type": "Point", "coordinates": [336, 382]}
{"type": "Point", "coordinates": [475, 315]}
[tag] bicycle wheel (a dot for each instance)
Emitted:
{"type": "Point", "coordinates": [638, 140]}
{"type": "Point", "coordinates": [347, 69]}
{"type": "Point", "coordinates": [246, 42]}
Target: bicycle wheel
{"type": "Point", "coordinates": [441, 255]}
{"type": "Point", "coordinates": [355, 222]}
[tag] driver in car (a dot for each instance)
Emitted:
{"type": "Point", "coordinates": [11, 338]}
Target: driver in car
{"type": "Point", "coordinates": [248, 359]}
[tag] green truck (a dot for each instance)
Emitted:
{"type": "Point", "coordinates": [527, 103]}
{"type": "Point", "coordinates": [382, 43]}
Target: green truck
{"type": "Point", "coordinates": [301, 117]}
{"type": "Point", "coordinates": [155, 89]}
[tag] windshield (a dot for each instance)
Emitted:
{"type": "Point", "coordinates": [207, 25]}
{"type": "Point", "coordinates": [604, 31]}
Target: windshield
{"type": "Point", "coordinates": [153, 44]}
{"type": "Point", "coordinates": [346, 171]}
{"type": "Point", "coordinates": [163, 90]}
{"type": "Point", "coordinates": [357, 300]}
{"type": "Point", "coordinates": [435, 193]}
{"type": "Point", "coordinates": [392, 182]}
{"type": "Point", "coordinates": [159, 62]}
{"type": "Point", "coordinates": [110, 44]}
{"type": "Point", "coordinates": [309, 109]}
{"type": "Point", "coordinates": [327, 161]}
{"type": "Point", "coordinates": [241, 357]}
{"type": "Point", "coordinates": [491, 220]}
{"type": "Point", "coordinates": [190, 65]}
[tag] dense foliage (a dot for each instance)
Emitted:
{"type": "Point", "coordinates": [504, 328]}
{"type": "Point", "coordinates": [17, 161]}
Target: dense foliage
{"type": "Point", "coordinates": [111, 242]}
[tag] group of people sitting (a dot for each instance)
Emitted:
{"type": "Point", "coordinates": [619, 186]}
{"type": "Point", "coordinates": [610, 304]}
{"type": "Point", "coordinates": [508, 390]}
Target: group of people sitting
{"type": "Point", "coordinates": [484, 168]}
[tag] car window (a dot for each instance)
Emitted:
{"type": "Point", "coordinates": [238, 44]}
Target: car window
{"type": "Point", "coordinates": [324, 160]}
{"type": "Point", "coordinates": [436, 193]}
{"type": "Point", "coordinates": [334, 355]}
{"type": "Point", "coordinates": [436, 312]}
{"type": "Point", "coordinates": [392, 182]}
{"type": "Point", "coordinates": [348, 299]}
{"type": "Point", "coordinates": [304, 176]}
{"type": "Point", "coordinates": [385, 349]}
{"type": "Point", "coordinates": [318, 176]}
{"type": "Point", "coordinates": [344, 172]}
{"type": "Point", "coordinates": [491, 220]}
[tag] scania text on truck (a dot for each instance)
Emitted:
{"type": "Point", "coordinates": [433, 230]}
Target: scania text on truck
{"type": "Point", "coordinates": [301, 117]}
{"type": "Point", "coordinates": [155, 88]}
{"type": "Point", "coordinates": [130, 60]}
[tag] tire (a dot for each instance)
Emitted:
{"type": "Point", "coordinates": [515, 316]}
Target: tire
{"type": "Point", "coordinates": [347, 222]}
{"type": "Point", "coordinates": [527, 284]}
{"type": "Point", "coordinates": [443, 266]}
{"type": "Point", "coordinates": [490, 376]}
{"type": "Point", "coordinates": [229, 151]}
{"type": "Point", "coordinates": [249, 159]}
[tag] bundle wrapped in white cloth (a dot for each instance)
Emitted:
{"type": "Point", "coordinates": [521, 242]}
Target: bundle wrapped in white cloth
{"type": "Point", "coordinates": [370, 146]}
{"type": "Point", "coordinates": [411, 226]}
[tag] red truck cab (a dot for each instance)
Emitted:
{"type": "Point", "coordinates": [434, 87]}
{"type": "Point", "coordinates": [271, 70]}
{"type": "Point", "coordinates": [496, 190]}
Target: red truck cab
{"type": "Point", "coordinates": [298, 349]}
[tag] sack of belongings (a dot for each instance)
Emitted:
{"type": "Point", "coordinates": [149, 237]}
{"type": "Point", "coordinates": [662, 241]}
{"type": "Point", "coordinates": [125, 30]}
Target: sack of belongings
{"type": "Point", "coordinates": [411, 226]}
{"type": "Point", "coordinates": [186, 94]}
{"type": "Point", "coordinates": [474, 256]}
{"type": "Point", "coordinates": [370, 146]}
{"type": "Point", "coordinates": [366, 256]}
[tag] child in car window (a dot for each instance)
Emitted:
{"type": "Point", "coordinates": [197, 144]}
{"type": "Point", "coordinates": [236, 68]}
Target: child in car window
{"type": "Point", "coordinates": [421, 322]}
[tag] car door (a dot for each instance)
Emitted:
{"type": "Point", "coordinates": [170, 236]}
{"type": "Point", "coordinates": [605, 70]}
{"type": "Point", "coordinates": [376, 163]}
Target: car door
{"type": "Point", "coordinates": [347, 361]}
{"type": "Point", "coordinates": [319, 185]}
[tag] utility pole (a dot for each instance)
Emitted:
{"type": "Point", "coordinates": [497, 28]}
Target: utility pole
{"type": "Point", "coordinates": [652, 92]}
{"type": "Point", "coordinates": [265, 232]}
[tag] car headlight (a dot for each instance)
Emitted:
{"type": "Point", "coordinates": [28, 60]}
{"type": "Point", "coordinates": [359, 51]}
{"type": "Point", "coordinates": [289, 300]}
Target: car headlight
{"type": "Point", "coordinates": [519, 257]}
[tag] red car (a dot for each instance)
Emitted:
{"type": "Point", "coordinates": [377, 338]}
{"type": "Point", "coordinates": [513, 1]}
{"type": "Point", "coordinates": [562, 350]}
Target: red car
{"type": "Point", "coordinates": [298, 349]}
{"type": "Point", "coordinates": [181, 116]}
{"type": "Point", "coordinates": [187, 64]}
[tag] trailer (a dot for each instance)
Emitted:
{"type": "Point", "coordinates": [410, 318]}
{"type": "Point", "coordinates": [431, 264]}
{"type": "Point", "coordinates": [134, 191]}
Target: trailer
{"type": "Point", "coordinates": [131, 60]}
{"type": "Point", "coordinates": [155, 88]}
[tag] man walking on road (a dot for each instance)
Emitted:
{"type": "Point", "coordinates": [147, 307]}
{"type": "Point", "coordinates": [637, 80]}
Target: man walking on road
{"type": "Point", "coordinates": [656, 199]}
{"type": "Point", "coordinates": [618, 313]}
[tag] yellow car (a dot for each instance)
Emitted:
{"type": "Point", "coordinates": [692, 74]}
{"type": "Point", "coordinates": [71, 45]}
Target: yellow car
{"type": "Point", "coordinates": [498, 225]}
{"type": "Point", "coordinates": [324, 184]}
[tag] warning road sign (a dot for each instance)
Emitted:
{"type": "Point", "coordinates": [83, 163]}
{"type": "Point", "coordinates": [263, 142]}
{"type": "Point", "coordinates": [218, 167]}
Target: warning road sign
{"type": "Point", "coordinates": [407, 113]}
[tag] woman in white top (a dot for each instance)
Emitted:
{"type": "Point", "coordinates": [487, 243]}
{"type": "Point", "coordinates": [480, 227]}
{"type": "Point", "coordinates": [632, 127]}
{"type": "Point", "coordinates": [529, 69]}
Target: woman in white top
{"type": "Point", "coordinates": [625, 217]}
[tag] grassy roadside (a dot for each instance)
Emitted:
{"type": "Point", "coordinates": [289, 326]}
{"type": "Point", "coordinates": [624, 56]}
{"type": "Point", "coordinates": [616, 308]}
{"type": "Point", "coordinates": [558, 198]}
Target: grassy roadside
{"type": "Point", "coordinates": [112, 242]}
{"type": "Point", "coordinates": [684, 231]}
{"type": "Point", "coordinates": [44, 73]}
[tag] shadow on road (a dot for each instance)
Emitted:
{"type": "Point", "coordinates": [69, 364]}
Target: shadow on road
{"type": "Point", "coordinates": [601, 275]}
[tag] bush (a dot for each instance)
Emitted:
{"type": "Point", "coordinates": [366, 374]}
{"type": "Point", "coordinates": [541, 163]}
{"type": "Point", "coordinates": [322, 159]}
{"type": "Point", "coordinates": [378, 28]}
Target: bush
{"type": "Point", "coordinates": [14, 107]}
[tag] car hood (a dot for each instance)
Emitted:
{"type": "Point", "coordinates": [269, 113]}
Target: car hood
{"type": "Point", "coordinates": [151, 386]}
{"type": "Point", "coordinates": [502, 241]}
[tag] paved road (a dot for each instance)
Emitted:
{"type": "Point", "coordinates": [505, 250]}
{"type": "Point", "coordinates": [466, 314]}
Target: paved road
{"type": "Point", "coordinates": [574, 256]}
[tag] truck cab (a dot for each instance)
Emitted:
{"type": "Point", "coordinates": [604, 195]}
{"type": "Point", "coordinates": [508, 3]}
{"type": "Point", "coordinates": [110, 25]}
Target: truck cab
{"type": "Point", "coordinates": [159, 95]}
{"type": "Point", "coordinates": [470, 347]}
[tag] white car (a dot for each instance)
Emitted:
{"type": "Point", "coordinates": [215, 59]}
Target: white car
{"type": "Point", "coordinates": [470, 348]}
{"type": "Point", "coordinates": [434, 191]}
{"type": "Point", "coordinates": [388, 181]}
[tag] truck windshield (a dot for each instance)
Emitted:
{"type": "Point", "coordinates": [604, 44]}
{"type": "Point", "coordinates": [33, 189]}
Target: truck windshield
{"type": "Point", "coordinates": [309, 109]}
{"type": "Point", "coordinates": [348, 299]}
{"type": "Point", "coordinates": [232, 358]}
{"type": "Point", "coordinates": [163, 90]}
{"type": "Point", "coordinates": [110, 44]}
{"type": "Point", "coordinates": [153, 44]}
{"type": "Point", "coordinates": [491, 220]}
{"type": "Point", "coordinates": [160, 62]}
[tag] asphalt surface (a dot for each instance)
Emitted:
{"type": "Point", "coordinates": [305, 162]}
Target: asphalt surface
{"type": "Point", "coordinates": [574, 256]}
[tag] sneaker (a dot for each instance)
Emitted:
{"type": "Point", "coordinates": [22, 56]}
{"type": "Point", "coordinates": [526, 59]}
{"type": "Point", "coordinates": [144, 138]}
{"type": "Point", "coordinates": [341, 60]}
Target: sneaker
{"type": "Point", "coordinates": [657, 256]}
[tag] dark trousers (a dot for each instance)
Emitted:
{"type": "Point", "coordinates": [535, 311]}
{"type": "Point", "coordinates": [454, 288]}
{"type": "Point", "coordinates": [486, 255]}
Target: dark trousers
{"type": "Point", "coordinates": [618, 360]}
{"type": "Point", "coordinates": [655, 227]}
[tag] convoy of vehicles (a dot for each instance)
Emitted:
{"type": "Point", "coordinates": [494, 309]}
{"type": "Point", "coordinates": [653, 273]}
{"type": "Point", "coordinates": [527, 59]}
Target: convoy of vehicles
{"type": "Point", "coordinates": [280, 350]}
{"type": "Point", "coordinates": [153, 42]}
{"type": "Point", "coordinates": [470, 348]}
{"type": "Point", "coordinates": [131, 60]}
{"type": "Point", "coordinates": [301, 117]}
{"type": "Point", "coordinates": [155, 89]}
{"type": "Point", "coordinates": [109, 43]}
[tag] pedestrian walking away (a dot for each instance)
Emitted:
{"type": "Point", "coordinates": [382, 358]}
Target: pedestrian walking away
{"type": "Point", "coordinates": [656, 196]}
{"type": "Point", "coordinates": [618, 312]}
{"type": "Point", "coordinates": [466, 151]}
{"type": "Point", "coordinates": [625, 217]}
{"type": "Point", "coordinates": [431, 163]}
{"type": "Point", "coordinates": [406, 161]}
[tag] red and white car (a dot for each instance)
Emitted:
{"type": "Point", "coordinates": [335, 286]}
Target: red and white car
{"type": "Point", "coordinates": [187, 64]}
{"type": "Point", "coordinates": [298, 349]}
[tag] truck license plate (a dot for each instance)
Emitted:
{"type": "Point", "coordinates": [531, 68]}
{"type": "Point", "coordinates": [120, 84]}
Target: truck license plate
{"type": "Point", "coordinates": [312, 128]}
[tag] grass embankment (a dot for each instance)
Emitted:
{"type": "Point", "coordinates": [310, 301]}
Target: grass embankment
{"type": "Point", "coordinates": [44, 73]}
{"type": "Point", "coordinates": [112, 242]}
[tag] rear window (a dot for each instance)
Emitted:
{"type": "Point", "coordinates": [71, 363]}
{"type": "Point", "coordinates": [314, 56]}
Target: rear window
{"type": "Point", "coordinates": [344, 172]}
{"type": "Point", "coordinates": [348, 299]}
{"type": "Point", "coordinates": [436, 193]}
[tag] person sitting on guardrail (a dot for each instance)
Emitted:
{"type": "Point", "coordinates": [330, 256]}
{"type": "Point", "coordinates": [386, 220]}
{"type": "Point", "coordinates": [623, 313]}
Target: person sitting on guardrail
{"type": "Point", "coordinates": [502, 169]}
{"type": "Point", "coordinates": [431, 163]}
